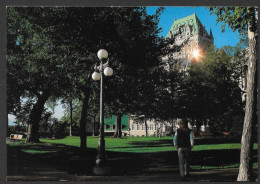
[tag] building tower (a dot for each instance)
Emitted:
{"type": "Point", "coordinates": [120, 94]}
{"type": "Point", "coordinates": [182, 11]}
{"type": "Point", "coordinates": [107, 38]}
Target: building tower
{"type": "Point", "coordinates": [195, 39]}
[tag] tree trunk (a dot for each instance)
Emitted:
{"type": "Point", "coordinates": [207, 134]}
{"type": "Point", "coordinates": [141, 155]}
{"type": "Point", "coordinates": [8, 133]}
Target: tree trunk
{"type": "Point", "coordinates": [83, 122]}
{"type": "Point", "coordinates": [146, 128]}
{"type": "Point", "coordinates": [94, 125]}
{"type": "Point", "coordinates": [172, 127]}
{"type": "Point", "coordinates": [35, 118]}
{"type": "Point", "coordinates": [118, 130]}
{"type": "Point", "coordinates": [247, 141]}
{"type": "Point", "coordinates": [70, 117]}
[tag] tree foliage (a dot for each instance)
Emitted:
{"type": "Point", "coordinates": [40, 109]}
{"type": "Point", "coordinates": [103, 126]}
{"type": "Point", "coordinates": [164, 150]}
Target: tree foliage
{"type": "Point", "coordinates": [52, 53]}
{"type": "Point", "coordinates": [208, 89]}
{"type": "Point", "coordinates": [245, 19]}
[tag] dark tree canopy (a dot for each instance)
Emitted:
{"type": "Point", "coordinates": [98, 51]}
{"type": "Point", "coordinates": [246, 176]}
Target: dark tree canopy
{"type": "Point", "coordinates": [245, 19]}
{"type": "Point", "coordinates": [52, 53]}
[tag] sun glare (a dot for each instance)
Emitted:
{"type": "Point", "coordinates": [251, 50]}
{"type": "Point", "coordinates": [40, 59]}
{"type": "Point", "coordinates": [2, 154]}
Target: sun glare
{"type": "Point", "coordinates": [196, 54]}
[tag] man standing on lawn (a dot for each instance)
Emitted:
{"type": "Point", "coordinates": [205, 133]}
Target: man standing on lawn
{"type": "Point", "coordinates": [184, 141]}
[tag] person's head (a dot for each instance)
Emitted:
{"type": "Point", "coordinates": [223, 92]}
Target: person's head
{"type": "Point", "coordinates": [184, 123]}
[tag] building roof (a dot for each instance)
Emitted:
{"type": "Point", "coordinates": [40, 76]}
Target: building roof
{"type": "Point", "coordinates": [192, 21]}
{"type": "Point", "coordinates": [111, 121]}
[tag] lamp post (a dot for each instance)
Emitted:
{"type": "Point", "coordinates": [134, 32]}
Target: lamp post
{"type": "Point", "coordinates": [98, 75]}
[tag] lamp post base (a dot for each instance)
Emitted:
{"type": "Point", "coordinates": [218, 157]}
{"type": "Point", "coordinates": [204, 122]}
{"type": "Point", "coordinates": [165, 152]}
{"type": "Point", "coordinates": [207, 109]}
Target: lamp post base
{"type": "Point", "coordinates": [102, 170]}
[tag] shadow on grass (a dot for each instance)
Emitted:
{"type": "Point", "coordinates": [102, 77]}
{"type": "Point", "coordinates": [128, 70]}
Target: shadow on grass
{"type": "Point", "coordinates": [201, 141]}
{"type": "Point", "coordinates": [169, 143]}
{"type": "Point", "coordinates": [61, 157]}
{"type": "Point", "coordinates": [69, 159]}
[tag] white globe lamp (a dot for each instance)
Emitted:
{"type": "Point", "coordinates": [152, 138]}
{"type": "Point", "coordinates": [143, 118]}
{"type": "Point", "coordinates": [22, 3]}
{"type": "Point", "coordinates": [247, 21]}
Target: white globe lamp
{"type": "Point", "coordinates": [108, 71]}
{"type": "Point", "coordinates": [96, 76]}
{"type": "Point", "coordinates": [102, 54]}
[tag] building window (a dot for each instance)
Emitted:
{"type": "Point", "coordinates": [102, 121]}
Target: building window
{"type": "Point", "coordinates": [138, 127]}
{"type": "Point", "coordinates": [114, 126]}
{"type": "Point", "coordinates": [151, 127]}
{"type": "Point", "coordinates": [133, 126]}
{"type": "Point", "coordinates": [107, 126]}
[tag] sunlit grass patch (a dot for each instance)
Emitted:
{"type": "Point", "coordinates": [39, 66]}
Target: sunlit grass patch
{"type": "Point", "coordinates": [36, 151]}
{"type": "Point", "coordinates": [140, 144]}
{"type": "Point", "coordinates": [236, 165]}
{"type": "Point", "coordinates": [125, 144]}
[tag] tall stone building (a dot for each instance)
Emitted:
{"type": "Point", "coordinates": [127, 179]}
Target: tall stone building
{"type": "Point", "coordinates": [192, 35]}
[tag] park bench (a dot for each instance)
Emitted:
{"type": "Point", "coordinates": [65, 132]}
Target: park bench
{"type": "Point", "coordinates": [16, 137]}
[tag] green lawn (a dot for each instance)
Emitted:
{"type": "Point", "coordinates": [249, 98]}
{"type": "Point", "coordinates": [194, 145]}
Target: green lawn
{"type": "Point", "coordinates": [140, 144]}
{"type": "Point", "coordinates": [149, 154]}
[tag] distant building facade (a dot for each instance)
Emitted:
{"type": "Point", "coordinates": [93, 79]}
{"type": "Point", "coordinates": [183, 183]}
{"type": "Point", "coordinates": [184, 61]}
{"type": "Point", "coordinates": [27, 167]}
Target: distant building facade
{"type": "Point", "coordinates": [190, 32]}
{"type": "Point", "coordinates": [137, 128]}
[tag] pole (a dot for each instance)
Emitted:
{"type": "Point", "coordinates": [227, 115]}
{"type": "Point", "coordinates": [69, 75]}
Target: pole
{"type": "Point", "coordinates": [70, 117]}
{"type": "Point", "coordinates": [101, 144]}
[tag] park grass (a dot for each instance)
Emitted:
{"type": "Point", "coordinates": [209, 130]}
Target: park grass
{"type": "Point", "coordinates": [131, 144]}
{"type": "Point", "coordinates": [139, 144]}
{"type": "Point", "coordinates": [144, 146]}
{"type": "Point", "coordinates": [33, 151]}
{"type": "Point", "coordinates": [197, 167]}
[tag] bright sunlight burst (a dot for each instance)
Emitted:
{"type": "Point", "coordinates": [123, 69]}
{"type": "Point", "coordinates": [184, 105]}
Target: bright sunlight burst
{"type": "Point", "coordinates": [196, 54]}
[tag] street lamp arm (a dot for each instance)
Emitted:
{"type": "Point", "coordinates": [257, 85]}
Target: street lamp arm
{"type": "Point", "coordinates": [96, 67]}
{"type": "Point", "coordinates": [102, 66]}
{"type": "Point", "coordinates": [106, 64]}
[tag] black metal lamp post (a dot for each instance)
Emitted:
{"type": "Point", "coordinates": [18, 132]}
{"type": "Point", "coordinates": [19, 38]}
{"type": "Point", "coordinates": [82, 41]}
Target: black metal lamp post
{"type": "Point", "coordinates": [98, 75]}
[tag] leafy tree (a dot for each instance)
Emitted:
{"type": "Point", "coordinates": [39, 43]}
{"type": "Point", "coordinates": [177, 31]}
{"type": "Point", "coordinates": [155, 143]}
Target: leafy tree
{"type": "Point", "coordinates": [208, 89]}
{"type": "Point", "coordinates": [70, 106]}
{"type": "Point", "coordinates": [33, 63]}
{"type": "Point", "coordinates": [131, 38]}
{"type": "Point", "coordinates": [135, 52]}
{"type": "Point", "coordinates": [22, 118]}
{"type": "Point", "coordinates": [75, 127]}
{"type": "Point", "coordinates": [241, 19]}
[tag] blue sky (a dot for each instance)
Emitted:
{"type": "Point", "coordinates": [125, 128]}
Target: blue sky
{"type": "Point", "coordinates": [166, 21]}
{"type": "Point", "coordinates": [220, 39]}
